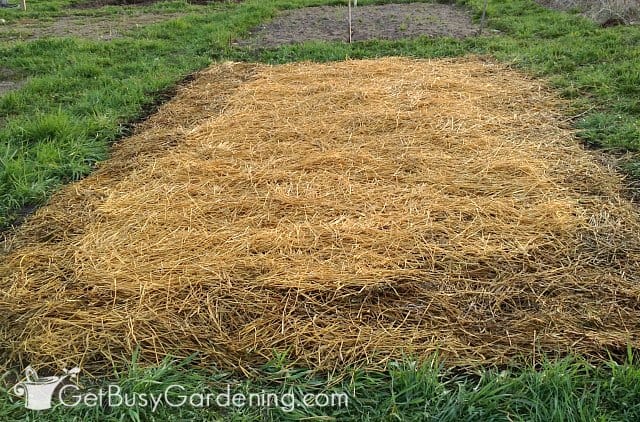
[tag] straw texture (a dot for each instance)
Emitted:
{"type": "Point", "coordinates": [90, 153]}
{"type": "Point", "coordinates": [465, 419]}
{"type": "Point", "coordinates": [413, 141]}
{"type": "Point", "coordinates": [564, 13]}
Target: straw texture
{"type": "Point", "coordinates": [344, 213]}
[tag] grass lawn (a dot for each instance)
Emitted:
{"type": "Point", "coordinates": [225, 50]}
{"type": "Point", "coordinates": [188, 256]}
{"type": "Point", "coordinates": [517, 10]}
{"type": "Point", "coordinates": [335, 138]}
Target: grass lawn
{"type": "Point", "coordinates": [83, 95]}
{"type": "Point", "coordinates": [564, 390]}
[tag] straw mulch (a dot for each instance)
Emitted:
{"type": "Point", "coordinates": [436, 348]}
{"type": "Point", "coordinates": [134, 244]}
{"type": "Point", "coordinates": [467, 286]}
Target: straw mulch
{"type": "Point", "coordinates": [345, 213]}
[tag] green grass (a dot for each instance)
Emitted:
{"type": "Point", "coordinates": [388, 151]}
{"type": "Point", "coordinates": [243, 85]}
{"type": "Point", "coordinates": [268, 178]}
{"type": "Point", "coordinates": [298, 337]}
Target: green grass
{"type": "Point", "coordinates": [83, 95]}
{"type": "Point", "coordinates": [570, 389]}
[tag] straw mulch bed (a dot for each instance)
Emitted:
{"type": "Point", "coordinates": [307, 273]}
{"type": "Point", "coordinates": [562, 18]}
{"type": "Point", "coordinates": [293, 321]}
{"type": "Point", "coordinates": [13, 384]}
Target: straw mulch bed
{"type": "Point", "coordinates": [345, 213]}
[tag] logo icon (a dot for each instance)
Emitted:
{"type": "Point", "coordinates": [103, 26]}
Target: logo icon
{"type": "Point", "coordinates": [38, 391]}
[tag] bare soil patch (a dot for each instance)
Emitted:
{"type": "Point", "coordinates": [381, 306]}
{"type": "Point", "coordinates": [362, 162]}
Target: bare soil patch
{"type": "Point", "coordinates": [346, 214]}
{"type": "Point", "coordinates": [389, 21]}
{"type": "Point", "coordinates": [9, 80]}
{"type": "Point", "coordinates": [91, 27]}
{"type": "Point", "coordinates": [92, 4]}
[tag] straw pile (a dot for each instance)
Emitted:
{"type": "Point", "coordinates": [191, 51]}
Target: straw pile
{"type": "Point", "coordinates": [345, 213]}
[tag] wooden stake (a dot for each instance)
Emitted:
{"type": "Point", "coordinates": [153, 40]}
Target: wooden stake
{"type": "Point", "coordinates": [350, 31]}
{"type": "Point", "coordinates": [484, 15]}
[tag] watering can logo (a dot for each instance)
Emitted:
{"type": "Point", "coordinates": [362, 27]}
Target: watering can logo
{"type": "Point", "coordinates": [38, 391]}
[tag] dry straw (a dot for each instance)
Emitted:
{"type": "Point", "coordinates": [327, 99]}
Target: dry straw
{"type": "Point", "coordinates": [345, 213]}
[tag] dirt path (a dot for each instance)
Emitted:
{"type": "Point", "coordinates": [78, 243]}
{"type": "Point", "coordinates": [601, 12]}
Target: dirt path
{"type": "Point", "coordinates": [390, 21]}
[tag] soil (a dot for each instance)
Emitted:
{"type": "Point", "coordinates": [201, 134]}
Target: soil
{"type": "Point", "coordinates": [389, 21]}
{"type": "Point", "coordinates": [92, 27]}
{"type": "Point", "coordinates": [9, 80]}
{"type": "Point", "coordinates": [92, 4]}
